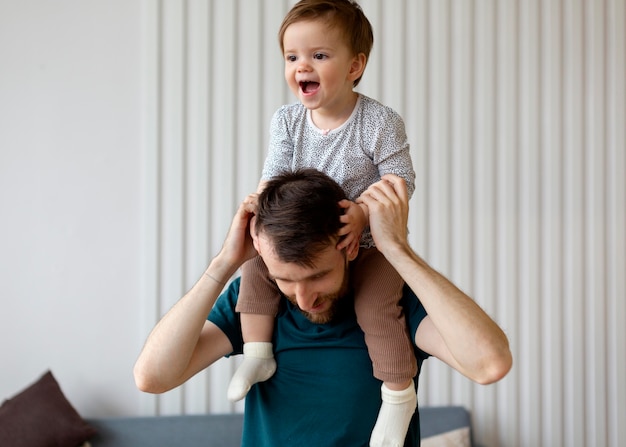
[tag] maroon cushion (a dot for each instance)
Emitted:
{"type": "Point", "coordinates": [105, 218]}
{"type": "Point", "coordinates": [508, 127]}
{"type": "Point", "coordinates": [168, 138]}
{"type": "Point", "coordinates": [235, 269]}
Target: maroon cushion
{"type": "Point", "coordinates": [41, 416]}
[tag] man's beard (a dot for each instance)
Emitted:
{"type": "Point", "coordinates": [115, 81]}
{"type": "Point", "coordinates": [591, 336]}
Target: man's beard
{"type": "Point", "coordinates": [336, 299]}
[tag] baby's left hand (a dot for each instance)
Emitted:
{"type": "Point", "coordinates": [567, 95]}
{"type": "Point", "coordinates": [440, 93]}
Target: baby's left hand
{"type": "Point", "coordinates": [354, 221]}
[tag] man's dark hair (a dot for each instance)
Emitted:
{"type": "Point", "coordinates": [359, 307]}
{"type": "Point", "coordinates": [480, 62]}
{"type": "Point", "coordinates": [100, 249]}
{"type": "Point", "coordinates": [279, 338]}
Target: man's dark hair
{"type": "Point", "coordinates": [299, 213]}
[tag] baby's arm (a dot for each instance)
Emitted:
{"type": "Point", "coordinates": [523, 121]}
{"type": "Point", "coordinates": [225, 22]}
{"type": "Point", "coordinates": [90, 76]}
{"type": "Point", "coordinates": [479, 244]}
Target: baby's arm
{"type": "Point", "coordinates": [355, 221]}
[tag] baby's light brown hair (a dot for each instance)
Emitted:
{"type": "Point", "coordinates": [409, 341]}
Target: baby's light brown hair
{"type": "Point", "coordinates": [346, 15]}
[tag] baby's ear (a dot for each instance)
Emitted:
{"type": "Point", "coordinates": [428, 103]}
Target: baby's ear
{"type": "Point", "coordinates": [358, 66]}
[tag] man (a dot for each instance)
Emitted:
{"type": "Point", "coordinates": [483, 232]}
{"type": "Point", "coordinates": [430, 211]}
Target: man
{"type": "Point", "coordinates": [323, 392]}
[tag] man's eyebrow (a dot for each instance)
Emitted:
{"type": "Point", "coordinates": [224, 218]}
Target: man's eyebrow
{"type": "Point", "coordinates": [314, 275]}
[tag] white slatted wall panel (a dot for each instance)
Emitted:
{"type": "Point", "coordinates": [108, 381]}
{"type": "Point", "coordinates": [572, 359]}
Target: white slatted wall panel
{"type": "Point", "coordinates": [516, 112]}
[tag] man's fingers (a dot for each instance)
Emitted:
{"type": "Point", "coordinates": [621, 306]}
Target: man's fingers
{"type": "Point", "coordinates": [398, 184]}
{"type": "Point", "coordinates": [391, 189]}
{"type": "Point", "coordinates": [378, 192]}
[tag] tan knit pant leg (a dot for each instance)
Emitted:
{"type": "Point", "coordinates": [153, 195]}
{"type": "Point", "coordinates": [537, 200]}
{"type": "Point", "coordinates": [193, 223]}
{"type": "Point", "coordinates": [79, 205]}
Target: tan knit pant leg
{"type": "Point", "coordinates": [257, 293]}
{"type": "Point", "coordinates": [378, 290]}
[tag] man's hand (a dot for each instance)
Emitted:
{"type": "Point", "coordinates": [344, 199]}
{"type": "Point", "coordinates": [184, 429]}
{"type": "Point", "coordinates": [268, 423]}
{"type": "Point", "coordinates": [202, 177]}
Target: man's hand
{"type": "Point", "coordinates": [238, 246]}
{"type": "Point", "coordinates": [388, 204]}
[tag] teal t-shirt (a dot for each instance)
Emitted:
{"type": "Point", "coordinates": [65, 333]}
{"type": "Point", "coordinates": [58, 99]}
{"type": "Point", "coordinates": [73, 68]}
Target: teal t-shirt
{"type": "Point", "coordinates": [323, 392]}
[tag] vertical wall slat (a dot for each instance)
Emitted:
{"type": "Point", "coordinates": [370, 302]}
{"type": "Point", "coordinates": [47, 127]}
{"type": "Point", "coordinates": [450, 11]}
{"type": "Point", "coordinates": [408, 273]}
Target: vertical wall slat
{"type": "Point", "coordinates": [461, 159]}
{"type": "Point", "coordinates": [508, 148]}
{"type": "Point", "coordinates": [484, 164]}
{"type": "Point", "coordinates": [439, 376]}
{"type": "Point", "coordinates": [530, 208]}
{"type": "Point", "coordinates": [552, 223]}
{"type": "Point", "coordinates": [274, 90]}
{"type": "Point", "coordinates": [416, 116]}
{"type": "Point", "coordinates": [197, 390]}
{"type": "Point", "coordinates": [392, 33]}
{"type": "Point", "coordinates": [574, 254]}
{"type": "Point", "coordinates": [515, 112]}
{"type": "Point", "coordinates": [250, 153]}
{"type": "Point", "coordinates": [372, 84]}
{"type": "Point", "coordinates": [172, 170]}
{"type": "Point", "coordinates": [224, 135]}
{"type": "Point", "coordinates": [616, 256]}
{"type": "Point", "coordinates": [224, 139]}
{"type": "Point", "coordinates": [151, 179]}
{"type": "Point", "coordinates": [595, 237]}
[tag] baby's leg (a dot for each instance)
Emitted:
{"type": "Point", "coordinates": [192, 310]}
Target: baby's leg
{"type": "Point", "coordinates": [258, 304]}
{"type": "Point", "coordinates": [394, 416]}
{"type": "Point", "coordinates": [256, 327]}
{"type": "Point", "coordinates": [378, 290]}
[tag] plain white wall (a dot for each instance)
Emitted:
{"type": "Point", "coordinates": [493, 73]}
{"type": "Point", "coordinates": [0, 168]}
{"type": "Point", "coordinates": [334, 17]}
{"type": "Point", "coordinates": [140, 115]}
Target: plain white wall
{"type": "Point", "coordinates": [70, 195]}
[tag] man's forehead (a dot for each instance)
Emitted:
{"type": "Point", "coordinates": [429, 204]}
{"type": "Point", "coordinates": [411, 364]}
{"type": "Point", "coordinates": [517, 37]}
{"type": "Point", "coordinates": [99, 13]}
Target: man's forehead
{"type": "Point", "coordinates": [326, 260]}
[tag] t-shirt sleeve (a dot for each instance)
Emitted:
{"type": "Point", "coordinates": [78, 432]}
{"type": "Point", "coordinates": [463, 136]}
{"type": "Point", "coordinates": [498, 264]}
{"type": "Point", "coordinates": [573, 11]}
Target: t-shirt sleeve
{"type": "Point", "coordinates": [415, 313]}
{"type": "Point", "coordinates": [223, 315]}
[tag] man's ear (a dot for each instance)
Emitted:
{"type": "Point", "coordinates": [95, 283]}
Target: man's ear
{"type": "Point", "coordinates": [253, 235]}
{"type": "Point", "coordinates": [351, 256]}
{"type": "Point", "coordinates": [255, 243]}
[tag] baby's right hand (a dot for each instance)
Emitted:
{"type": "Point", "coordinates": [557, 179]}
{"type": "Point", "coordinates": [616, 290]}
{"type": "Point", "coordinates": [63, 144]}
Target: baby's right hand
{"type": "Point", "coordinates": [251, 203]}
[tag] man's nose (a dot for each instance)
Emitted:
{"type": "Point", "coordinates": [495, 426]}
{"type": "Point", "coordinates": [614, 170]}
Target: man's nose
{"type": "Point", "coordinates": [305, 297]}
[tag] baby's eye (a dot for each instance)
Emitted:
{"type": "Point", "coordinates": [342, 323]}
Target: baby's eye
{"type": "Point", "coordinates": [319, 56]}
{"type": "Point", "coordinates": [290, 58]}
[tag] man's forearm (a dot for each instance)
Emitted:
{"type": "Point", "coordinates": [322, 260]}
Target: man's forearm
{"type": "Point", "coordinates": [171, 353]}
{"type": "Point", "coordinates": [479, 347]}
{"type": "Point", "coordinates": [183, 342]}
{"type": "Point", "coordinates": [456, 329]}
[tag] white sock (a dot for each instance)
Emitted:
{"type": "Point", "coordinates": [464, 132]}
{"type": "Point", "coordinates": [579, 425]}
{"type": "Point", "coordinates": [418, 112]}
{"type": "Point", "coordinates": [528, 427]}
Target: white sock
{"type": "Point", "coordinates": [394, 417]}
{"type": "Point", "coordinates": [258, 365]}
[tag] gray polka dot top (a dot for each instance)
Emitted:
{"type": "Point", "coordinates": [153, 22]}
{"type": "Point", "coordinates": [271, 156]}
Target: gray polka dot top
{"type": "Point", "coordinates": [371, 143]}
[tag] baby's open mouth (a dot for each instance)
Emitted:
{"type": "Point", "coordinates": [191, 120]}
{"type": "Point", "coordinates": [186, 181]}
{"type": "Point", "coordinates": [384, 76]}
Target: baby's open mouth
{"type": "Point", "coordinates": [309, 86]}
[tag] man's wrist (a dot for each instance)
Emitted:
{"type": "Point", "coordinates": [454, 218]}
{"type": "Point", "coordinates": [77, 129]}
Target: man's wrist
{"type": "Point", "coordinates": [220, 271]}
{"type": "Point", "coordinates": [396, 252]}
{"type": "Point", "coordinates": [222, 283]}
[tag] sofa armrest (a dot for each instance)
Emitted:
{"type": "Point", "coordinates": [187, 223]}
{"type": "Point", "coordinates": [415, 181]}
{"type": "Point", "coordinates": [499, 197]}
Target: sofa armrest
{"type": "Point", "coordinates": [439, 420]}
